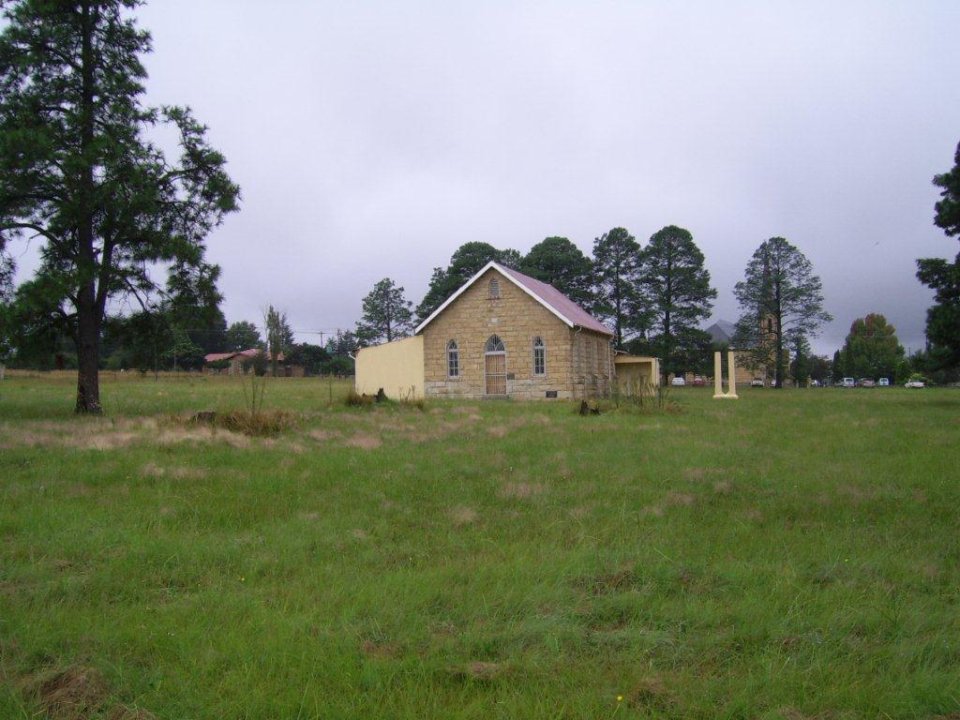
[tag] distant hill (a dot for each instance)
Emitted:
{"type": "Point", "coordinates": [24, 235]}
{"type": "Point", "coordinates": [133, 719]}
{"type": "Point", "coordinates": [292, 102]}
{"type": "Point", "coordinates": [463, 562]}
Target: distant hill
{"type": "Point", "coordinates": [721, 332]}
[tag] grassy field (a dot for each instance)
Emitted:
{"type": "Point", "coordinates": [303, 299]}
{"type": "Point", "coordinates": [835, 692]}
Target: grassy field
{"type": "Point", "coordinates": [790, 555]}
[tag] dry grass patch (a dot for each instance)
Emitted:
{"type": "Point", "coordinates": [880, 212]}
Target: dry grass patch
{"type": "Point", "coordinates": [522, 490]}
{"type": "Point", "coordinates": [179, 436]}
{"type": "Point", "coordinates": [479, 671]}
{"type": "Point", "coordinates": [76, 693]}
{"type": "Point", "coordinates": [680, 499]}
{"type": "Point", "coordinates": [701, 474]}
{"type": "Point", "coordinates": [324, 435]}
{"type": "Point", "coordinates": [461, 516]}
{"type": "Point", "coordinates": [380, 650]}
{"type": "Point", "coordinates": [152, 469]}
{"type": "Point", "coordinates": [472, 410]}
{"type": "Point", "coordinates": [723, 487]}
{"type": "Point", "coordinates": [86, 434]}
{"type": "Point", "coordinates": [122, 712]}
{"type": "Point", "coordinates": [364, 442]}
{"type": "Point", "coordinates": [649, 693]}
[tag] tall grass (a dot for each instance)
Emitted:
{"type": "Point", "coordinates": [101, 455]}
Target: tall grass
{"type": "Point", "coordinates": [789, 555]}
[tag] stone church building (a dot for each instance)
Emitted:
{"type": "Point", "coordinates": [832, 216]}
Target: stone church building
{"type": "Point", "coordinates": [502, 334]}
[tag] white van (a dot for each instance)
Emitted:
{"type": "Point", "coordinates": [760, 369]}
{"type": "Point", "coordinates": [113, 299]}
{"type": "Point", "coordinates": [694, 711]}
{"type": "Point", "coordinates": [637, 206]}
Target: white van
{"type": "Point", "coordinates": [848, 382]}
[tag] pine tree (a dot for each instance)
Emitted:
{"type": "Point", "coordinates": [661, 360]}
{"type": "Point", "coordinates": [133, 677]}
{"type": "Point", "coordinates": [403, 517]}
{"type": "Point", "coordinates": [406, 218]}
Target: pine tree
{"type": "Point", "coordinates": [616, 263]}
{"type": "Point", "coordinates": [676, 285]}
{"type": "Point", "coordinates": [77, 172]}
{"type": "Point", "coordinates": [780, 299]}
{"type": "Point", "coordinates": [386, 314]}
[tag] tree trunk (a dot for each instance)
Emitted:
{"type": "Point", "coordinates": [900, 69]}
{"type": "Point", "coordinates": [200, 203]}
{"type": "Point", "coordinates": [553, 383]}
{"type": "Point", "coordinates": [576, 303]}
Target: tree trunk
{"type": "Point", "coordinates": [88, 314]}
{"type": "Point", "coordinates": [778, 380]}
{"type": "Point", "coordinates": [88, 355]}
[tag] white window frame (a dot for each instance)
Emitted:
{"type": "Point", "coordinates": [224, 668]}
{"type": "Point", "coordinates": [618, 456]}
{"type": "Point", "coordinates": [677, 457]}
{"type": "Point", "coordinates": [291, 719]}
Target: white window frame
{"type": "Point", "coordinates": [453, 360]}
{"type": "Point", "coordinates": [539, 357]}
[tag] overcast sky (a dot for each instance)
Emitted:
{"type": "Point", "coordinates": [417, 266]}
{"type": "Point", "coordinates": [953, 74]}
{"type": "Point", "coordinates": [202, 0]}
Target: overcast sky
{"type": "Point", "coordinates": [372, 139]}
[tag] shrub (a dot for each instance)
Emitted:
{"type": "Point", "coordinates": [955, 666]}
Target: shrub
{"type": "Point", "coordinates": [259, 424]}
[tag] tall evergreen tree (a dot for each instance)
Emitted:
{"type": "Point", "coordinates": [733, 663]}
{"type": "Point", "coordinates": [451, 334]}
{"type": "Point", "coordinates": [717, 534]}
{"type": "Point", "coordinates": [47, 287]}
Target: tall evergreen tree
{"type": "Point", "coordinates": [386, 314]}
{"type": "Point", "coordinates": [676, 285]}
{"type": "Point", "coordinates": [77, 171]}
{"type": "Point", "coordinates": [616, 263]}
{"type": "Point", "coordinates": [943, 276]}
{"type": "Point", "coordinates": [560, 263]}
{"type": "Point", "coordinates": [279, 336]}
{"type": "Point", "coordinates": [780, 298]}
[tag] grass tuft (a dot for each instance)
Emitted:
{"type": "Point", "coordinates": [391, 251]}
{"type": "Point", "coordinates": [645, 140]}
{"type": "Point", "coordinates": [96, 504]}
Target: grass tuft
{"type": "Point", "coordinates": [263, 423]}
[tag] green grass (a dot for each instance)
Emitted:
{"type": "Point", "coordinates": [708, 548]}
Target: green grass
{"type": "Point", "coordinates": [790, 555]}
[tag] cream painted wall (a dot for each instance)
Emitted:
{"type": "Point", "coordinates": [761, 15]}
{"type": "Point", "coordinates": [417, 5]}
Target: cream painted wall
{"type": "Point", "coordinates": [397, 367]}
{"type": "Point", "coordinates": [635, 373]}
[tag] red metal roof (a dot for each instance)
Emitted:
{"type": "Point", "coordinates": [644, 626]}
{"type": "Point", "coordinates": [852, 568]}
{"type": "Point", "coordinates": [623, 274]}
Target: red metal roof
{"type": "Point", "coordinates": [252, 352]}
{"type": "Point", "coordinates": [553, 298]}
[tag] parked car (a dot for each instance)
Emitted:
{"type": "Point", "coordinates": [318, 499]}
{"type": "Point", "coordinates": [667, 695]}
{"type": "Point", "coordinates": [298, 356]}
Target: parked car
{"type": "Point", "coordinates": [678, 381]}
{"type": "Point", "coordinates": [757, 382]}
{"type": "Point", "coordinates": [698, 381]}
{"type": "Point", "coordinates": [867, 382]}
{"type": "Point", "coordinates": [848, 382]}
{"type": "Point", "coordinates": [883, 382]}
{"type": "Point", "coordinates": [914, 384]}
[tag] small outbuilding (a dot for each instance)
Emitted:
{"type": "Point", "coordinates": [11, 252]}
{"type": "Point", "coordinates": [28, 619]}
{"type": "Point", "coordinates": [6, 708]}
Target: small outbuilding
{"type": "Point", "coordinates": [502, 334]}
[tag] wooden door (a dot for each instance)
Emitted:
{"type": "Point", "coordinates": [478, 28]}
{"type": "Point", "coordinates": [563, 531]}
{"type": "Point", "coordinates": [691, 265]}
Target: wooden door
{"type": "Point", "coordinates": [495, 365]}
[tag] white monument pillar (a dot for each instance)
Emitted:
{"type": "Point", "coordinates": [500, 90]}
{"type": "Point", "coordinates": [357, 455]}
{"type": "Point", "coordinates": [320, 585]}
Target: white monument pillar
{"type": "Point", "coordinates": [718, 392]}
{"type": "Point", "coordinates": [731, 374]}
{"type": "Point", "coordinates": [717, 375]}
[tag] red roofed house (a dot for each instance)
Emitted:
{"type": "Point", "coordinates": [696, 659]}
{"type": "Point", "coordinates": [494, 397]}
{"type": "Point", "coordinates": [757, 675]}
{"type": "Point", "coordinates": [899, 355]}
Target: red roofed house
{"type": "Point", "coordinates": [239, 360]}
{"type": "Point", "coordinates": [502, 334]}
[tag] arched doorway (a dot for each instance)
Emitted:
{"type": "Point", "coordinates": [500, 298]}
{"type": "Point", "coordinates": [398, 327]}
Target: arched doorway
{"type": "Point", "coordinates": [495, 366]}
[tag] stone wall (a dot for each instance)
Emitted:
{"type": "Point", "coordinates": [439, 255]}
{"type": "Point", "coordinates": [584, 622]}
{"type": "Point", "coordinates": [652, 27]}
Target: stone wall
{"type": "Point", "coordinates": [593, 369]}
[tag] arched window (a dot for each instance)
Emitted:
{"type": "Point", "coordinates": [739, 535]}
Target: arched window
{"type": "Point", "coordinates": [453, 359]}
{"type": "Point", "coordinates": [494, 288]}
{"type": "Point", "coordinates": [495, 345]}
{"type": "Point", "coordinates": [539, 357]}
